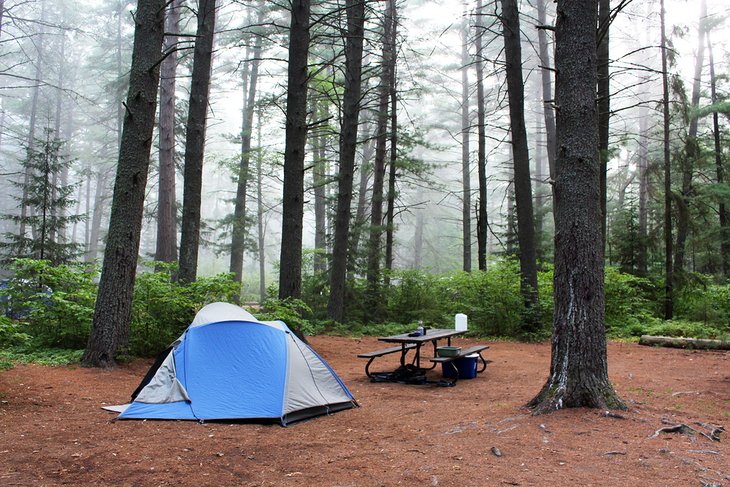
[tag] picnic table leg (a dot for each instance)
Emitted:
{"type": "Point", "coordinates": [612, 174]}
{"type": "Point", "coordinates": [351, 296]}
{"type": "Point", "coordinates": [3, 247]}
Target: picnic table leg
{"type": "Point", "coordinates": [403, 353]}
{"type": "Point", "coordinates": [484, 364]}
{"type": "Point", "coordinates": [367, 367]}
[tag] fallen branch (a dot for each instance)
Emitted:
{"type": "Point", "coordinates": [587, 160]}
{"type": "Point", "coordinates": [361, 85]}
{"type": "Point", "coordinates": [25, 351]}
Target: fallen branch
{"type": "Point", "coordinates": [688, 430]}
{"type": "Point", "coordinates": [693, 343]}
{"type": "Point", "coordinates": [677, 428]}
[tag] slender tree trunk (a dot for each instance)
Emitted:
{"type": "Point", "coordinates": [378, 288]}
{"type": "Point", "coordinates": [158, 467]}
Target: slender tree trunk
{"type": "Point", "coordinates": [195, 141]}
{"type": "Point", "coordinates": [579, 365]}
{"type": "Point", "coordinates": [521, 159]}
{"type": "Point", "coordinates": [260, 227]}
{"type": "Point", "coordinates": [112, 314]}
{"type": "Point", "coordinates": [238, 231]}
{"type": "Point", "coordinates": [290, 273]}
{"type": "Point", "coordinates": [348, 146]}
{"type": "Point", "coordinates": [100, 200]}
{"type": "Point", "coordinates": [319, 183]}
{"type": "Point", "coordinates": [642, 251]}
{"type": "Point", "coordinates": [723, 210]}
{"type": "Point", "coordinates": [604, 105]}
{"type": "Point", "coordinates": [669, 278]}
{"type": "Point", "coordinates": [393, 172]}
{"type": "Point", "coordinates": [418, 240]}
{"type": "Point", "coordinates": [547, 93]}
{"type": "Point", "coordinates": [376, 215]}
{"type": "Point", "coordinates": [368, 153]}
{"type": "Point", "coordinates": [465, 149]}
{"type": "Point", "coordinates": [482, 223]}
{"type": "Point", "coordinates": [166, 246]}
{"type": "Point", "coordinates": [87, 220]}
{"type": "Point", "coordinates": [121, 5]}
{"type": "Point", "coordinates": [24, 209]}
{"type": "Point", "coordinates": [691, 151]}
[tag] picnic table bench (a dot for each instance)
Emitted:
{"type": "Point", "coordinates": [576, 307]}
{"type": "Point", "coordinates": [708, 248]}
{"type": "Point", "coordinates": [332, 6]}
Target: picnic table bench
{"type": "Point", "coordinates": [385, 351]}
{"type": "Point", "coordinates": [477, 349]}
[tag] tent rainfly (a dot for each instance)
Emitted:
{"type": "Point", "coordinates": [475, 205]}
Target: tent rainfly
{"type": "Point", "coordinates": [229, 366]}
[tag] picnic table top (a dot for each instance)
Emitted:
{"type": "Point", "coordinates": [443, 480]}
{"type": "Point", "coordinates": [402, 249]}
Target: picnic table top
{"type": "Point", "coordinates": [431, 335]}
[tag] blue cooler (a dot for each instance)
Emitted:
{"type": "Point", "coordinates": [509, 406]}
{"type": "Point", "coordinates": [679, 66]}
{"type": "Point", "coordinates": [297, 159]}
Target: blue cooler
{"type": "Point", "coordinates": [466, 366]}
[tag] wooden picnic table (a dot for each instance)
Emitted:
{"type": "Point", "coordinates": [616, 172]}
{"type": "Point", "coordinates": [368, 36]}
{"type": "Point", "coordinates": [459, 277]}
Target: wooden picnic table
{"type": "Point", "coordinates": [432, 336]}
{"type": "Point", "coordinates": [411, 341]}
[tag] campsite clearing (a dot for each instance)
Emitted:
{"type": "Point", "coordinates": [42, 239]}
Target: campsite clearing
{"type": "Point", "coordinates": [477, 433]}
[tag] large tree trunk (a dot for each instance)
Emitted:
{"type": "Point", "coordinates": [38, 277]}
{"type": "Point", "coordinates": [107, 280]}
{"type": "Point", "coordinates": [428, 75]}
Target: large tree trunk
{"type": "Point", "coordinates": [579, 365]}
{"type": "Point", "coordinates": [238, 227]}
{"type": "Point", "coordinates": [166, 246]}
{"type": "Point", "coordinates": [195, 141]}
{"type": "Point", "coordinates": [521, 159]}
{"type": "Point", "coordinates": [465, 149]}
{"type": "Point", "coordinates": [604, 105]}
{"type": "Point", "coordinates": [376, 214]}
{"type": "Point", "coordinates": [112, 314]}
{"type": "Point", "coordinates": [691, 151]}
{"type": "Point", "coordinates": [482, 223]}
{"type": "Point", "coordinates": [723, 210]}
{"type": "Point", "coordinates": [290, 273]}
{"type": "Point", "coordinates": [348, 146]}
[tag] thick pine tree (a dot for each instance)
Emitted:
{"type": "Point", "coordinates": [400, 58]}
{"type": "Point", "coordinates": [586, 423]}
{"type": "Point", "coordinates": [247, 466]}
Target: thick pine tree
{"type": "Point", "coordinates": [112, 314]}
{"type": "Point", "coordinates": [579, 365]}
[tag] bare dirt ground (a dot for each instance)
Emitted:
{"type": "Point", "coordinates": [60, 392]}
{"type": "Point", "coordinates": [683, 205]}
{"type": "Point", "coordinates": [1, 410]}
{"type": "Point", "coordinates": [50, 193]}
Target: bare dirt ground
{"type": "Point", "coordinates": [54, 431]}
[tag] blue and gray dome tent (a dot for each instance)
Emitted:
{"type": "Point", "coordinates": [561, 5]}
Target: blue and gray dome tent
{"type": "Point", "coordinates": [229, 366]}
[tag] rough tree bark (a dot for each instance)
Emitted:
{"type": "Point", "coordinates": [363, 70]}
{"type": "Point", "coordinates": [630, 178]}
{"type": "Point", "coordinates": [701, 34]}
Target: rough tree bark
{"type": "Point", "coordinates": [166, 247]}
{"type": "Point", "coordinates": [290, 273]}
{"type": "Point", "coordinates": [604, 103]}
{"type": "Point", "coordinates": [521, 160]}
{"type": "Point", "coordinates": [579, 365]}
{"type": "Point", "coordinates": [348, 145]}
{"type": "Point", "coordinates": [195, 141]}
{"type": "Point", "coordinates": [112, 314]}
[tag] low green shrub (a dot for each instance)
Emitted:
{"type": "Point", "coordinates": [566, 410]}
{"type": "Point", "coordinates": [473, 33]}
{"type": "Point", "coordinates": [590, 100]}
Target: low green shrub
{"type": "Point", "coordinates": [294, 312]}
{"type": "Point", "coordinates": [10, 333]}
{"type": "Point", "coordinates": [688, 329]}
{"type": "Point", "coordinates": [162, 308]}
{"type": "Point", "coordinates": [53, 303]}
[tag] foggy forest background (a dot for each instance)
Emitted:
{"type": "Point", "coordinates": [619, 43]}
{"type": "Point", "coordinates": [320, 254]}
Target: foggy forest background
{"type": "Point", "coordinates": [64, 74]}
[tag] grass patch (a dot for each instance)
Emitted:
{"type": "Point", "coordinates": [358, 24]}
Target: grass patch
{"type": "Point", "coordinates": [47, 356]}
